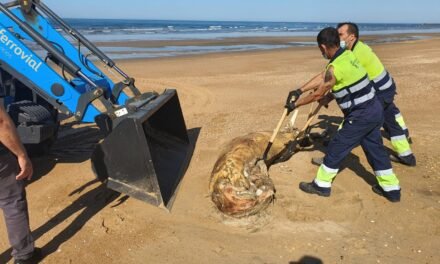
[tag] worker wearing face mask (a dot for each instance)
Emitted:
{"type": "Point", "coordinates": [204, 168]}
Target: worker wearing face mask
{"type": "Point", "coordinates": [347, 81]}
{"type": "Point", "coordinates": [385, 87]}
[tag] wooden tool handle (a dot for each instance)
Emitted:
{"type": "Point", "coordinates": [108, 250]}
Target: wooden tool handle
{"type": "Point", "coordinates": [311, 118]}
{"type": "Point", "coordinates": [275, 132]}
{"type": "Point", "coordinates": [280, 123]}
{"type": "Point", "coordinates": [293, 119]}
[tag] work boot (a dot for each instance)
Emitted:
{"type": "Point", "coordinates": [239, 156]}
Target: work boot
{"type": "Point", "coordinates": [409, 160]}
{"type": "Point", "coordinates": [313, 188]}
{"type": "Point", "coordinates": [36, 257]}
{"type": "Point", "coordinates": [392, 196]}
{"type": "Point", "coordinates": [318, 161]}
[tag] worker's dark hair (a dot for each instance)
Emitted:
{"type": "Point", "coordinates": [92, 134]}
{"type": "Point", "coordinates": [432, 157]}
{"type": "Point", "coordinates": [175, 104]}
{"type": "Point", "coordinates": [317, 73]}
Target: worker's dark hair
{"type": "Point", "coordinates": [329, 37]}
{"type": "Point", "coordinates": [352, 28]}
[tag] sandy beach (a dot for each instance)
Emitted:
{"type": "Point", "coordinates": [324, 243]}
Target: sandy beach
{"type": "Point", "coordinates": [225, 95]}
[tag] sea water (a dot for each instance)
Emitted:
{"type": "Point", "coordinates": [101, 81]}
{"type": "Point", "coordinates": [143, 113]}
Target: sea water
{"type": "Point", "coordinates": [123, 30]}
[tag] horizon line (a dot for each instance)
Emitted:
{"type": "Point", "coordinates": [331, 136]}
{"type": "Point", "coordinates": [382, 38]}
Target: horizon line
{"type": "Point", "coordinates": [253, 21]}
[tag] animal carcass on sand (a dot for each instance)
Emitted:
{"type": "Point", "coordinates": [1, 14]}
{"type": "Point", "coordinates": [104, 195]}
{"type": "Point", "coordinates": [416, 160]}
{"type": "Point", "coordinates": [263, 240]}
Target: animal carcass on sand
{"type": "Point", "coordinates": [238, 186]}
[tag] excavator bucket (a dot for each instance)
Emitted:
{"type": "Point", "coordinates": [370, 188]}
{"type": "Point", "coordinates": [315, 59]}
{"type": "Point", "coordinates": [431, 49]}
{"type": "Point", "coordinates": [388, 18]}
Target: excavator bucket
{"type": "Point", "coordinates": [147, 153]}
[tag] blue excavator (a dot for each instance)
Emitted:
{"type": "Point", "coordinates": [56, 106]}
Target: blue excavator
{"type": "Point", "coordinates": [44, 74]}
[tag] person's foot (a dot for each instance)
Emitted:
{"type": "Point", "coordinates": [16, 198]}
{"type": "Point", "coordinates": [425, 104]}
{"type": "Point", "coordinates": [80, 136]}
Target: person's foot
{"type": "Point", "coordinates": [318, 161]}
{"type": "Point", "coordinates": [392, 196]}
{"type": "Point", "coordinates": [36, 257]}
{"type": "Point", "coordinates": [312, 188]}
{"type": "Point", "coordinates": [409, 160]}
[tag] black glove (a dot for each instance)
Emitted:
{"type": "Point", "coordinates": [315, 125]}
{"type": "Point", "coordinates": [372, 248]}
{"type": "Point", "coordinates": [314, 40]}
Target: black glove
{"type": "Point", "coordinates": [290, 106]}
{"type": "Point", "coordinates": [293, 96]}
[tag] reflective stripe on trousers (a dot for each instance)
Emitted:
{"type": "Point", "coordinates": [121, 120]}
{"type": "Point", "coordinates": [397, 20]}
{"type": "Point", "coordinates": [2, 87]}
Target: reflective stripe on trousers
{"type": "Point", "coordinates": [400, 121]}
{"type": "Point", "coordinates": [358, 132]}
{"type": "Point", "coordinates": [325, 176]}
{"type": "Point", "coordinates": [387, 180]}
{"type": "Point", "coordinates": [401, 145]}
{"type": "Point", "coordinates": [398, 135]}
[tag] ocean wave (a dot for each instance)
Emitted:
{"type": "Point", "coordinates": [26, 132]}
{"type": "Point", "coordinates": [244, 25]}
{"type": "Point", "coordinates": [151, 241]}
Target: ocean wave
{"type": "Point", "coordinates": [141, 29]}
{"type": "Point", "coordinates": [119, 30]}
{"type": "Point", "coordinates": [215, 27]}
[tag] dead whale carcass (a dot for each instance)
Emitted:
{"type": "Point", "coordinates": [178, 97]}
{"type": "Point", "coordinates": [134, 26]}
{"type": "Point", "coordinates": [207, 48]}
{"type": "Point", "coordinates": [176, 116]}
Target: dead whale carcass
{"type": "Point", "coordinates": [238, 186]}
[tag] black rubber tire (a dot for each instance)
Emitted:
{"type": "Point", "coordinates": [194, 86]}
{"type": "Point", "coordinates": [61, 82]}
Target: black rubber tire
{"type": "Point", "coordinates": [45, 114]}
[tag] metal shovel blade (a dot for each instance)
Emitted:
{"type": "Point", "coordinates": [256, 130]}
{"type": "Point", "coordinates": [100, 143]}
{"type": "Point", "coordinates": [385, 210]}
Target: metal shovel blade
{"type": "Point", "coordinates": [147, 153]}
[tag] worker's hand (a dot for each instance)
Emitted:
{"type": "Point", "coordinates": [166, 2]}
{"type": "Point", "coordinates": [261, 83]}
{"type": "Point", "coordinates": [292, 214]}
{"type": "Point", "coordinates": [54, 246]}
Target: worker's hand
{"type": "Point", "coordinates": [26, 169]}
{"type": "Point", "coordinates": [293, 96]}
{"type": "Point", "coordinates": [326, 100]}
{"type": "Point", "coordinates": [290, 107]}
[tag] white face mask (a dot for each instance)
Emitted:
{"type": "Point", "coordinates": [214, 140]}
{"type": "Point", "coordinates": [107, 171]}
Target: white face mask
{"type": "Point", "coordinates": [343, 44]}
{"type": "Point", "coordinates": [325, 56]}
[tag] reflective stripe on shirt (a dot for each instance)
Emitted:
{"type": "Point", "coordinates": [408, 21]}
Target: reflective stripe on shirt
{"type": "Point", "coordinates": [353, 89]}
{"type": "Point", "coordinates": [360, 100]}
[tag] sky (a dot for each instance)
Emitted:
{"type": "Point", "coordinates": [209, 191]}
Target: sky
{"type": "Point", "coordinates": [367, 11]}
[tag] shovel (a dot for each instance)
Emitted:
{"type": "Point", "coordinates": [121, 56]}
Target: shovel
{"type": "Point", "coordinates": [312, 116]}
{"type": "Point", "coordinates": [275, 132]}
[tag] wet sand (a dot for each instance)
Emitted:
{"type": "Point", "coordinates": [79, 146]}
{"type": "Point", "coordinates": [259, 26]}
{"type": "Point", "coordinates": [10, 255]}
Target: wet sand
{"type": "Point", "coordinates": [243, 40]}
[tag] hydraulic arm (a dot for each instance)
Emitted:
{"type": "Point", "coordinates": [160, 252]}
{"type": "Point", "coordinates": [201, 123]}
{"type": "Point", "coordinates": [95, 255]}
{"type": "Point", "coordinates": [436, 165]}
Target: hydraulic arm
{"type": "Point", "coordinates": [146, 149]}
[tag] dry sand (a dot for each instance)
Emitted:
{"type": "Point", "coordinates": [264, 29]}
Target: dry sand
{"type": "Point", "coordinates": [75, 220]}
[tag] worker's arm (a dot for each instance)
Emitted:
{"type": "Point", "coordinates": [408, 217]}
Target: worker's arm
{"type": "Point", "coordinates": [322, 90]}
{"type": "Point", "coordinates": [9, 138]}
{"type": "Point", "coordinates": [310, 85]}
{"type": "Point", "coordinates": [313, 83]}
{"type": "Point", "coordinates": [326, 99]}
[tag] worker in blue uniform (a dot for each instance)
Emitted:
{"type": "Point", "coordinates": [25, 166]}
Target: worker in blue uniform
{"type": "Point", "coordinates": [394, 124]}
{"type": "Point", "coordinates": [347, 81]}
{"type": "Point", "coordinates": [385, 86]}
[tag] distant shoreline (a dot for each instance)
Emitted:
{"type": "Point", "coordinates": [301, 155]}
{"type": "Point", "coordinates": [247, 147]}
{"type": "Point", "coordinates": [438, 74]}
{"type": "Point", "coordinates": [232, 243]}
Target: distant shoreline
{"type": "Point", "coordinates": [247, 40]}
{"type": "Point", "coordinates": [102, 30]}
{"type": "Point", "coordinates": [133, 39]}
{"type": "Point", "coordinates": [126, 50]}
